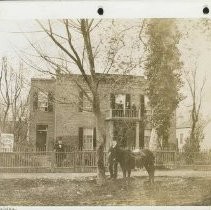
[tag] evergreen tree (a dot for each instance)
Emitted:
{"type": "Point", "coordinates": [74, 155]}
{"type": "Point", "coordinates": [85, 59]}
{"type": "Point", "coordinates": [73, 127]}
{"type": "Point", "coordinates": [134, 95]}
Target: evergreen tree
{"type": "Point", "coordinates": [163, 72]}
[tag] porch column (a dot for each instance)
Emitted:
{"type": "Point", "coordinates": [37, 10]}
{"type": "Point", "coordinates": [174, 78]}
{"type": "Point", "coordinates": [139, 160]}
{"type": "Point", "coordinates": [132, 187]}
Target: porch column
{"type": "Point", "coordinates": [137, 135]}
{"type": "Point", "coordinates": [110, 133]}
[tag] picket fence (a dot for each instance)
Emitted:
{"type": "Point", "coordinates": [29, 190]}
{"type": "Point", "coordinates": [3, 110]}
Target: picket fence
{"type": "Point", "coordinates": [85, 161]}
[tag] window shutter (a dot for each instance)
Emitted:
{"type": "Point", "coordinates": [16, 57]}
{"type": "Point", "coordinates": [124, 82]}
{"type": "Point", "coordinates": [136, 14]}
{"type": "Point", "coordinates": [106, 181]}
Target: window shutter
{"type": "Point", "coordinates": [94, 139]}
{"type": "Point", "coordinates": [80, 103]}
{"type": "Point", "coordinates": [80, 138]}
{"type": "Point", "coordinates": [127, 101]}
{"type": "Point", "coordinates": [35, 101]}
{"type": "Point", "coordinates": [141, 134]}
{"type": "Point", "coordinates": [142, 106]}
{"type": "Point", "coordinates": [112, 101]}
{"type": "Point", "coordinates": [50, 101]}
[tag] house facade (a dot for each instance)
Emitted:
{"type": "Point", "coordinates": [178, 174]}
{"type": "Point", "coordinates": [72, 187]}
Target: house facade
{"type": "Point", "coordinates": [182, 133]}
{"type": "Point", "coordinates": [60, 110]}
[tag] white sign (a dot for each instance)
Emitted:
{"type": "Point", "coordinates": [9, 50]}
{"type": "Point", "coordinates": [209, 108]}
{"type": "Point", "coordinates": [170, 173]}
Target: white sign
{"type": "Point", "coordinates": [7, 139]}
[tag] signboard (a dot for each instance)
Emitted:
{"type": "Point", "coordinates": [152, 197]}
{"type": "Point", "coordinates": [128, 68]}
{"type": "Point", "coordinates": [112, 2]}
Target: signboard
{"type": "Point", "coordinates": [6, 142]}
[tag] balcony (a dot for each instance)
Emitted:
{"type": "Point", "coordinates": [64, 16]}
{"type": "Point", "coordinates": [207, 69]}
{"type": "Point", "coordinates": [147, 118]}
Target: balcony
{"type": "Point", "coordinates": [119, 114]}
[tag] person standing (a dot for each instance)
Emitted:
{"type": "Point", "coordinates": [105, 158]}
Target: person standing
{"type": "Point", "coordinates": [59, 150]}
{"type": "Point", "coordinates": [134, 113]}
{"type": "Point", "coordinates": [112, 160]}
{"type": "Point", "coordinates": [121, 109]}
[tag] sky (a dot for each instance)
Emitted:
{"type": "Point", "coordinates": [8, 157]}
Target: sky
{"type": "Point", "coordinates": [196, 53]}
{"type": "Point", "coordinates": [195, 49]}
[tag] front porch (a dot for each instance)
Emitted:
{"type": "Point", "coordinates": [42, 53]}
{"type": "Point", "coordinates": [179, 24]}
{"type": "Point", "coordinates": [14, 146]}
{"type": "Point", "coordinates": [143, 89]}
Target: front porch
{"type": "Point", "coordinates": [128, 133]}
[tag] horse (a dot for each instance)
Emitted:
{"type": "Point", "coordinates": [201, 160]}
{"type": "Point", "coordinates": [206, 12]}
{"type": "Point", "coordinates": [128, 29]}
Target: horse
{"type": "Point", "coordinates": [128, 160]}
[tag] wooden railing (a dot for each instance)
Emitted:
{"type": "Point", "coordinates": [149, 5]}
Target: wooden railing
{"type": "Point", "coordinates": [123, 113]}
{"type": "Point", "coordinates": [165, 158]}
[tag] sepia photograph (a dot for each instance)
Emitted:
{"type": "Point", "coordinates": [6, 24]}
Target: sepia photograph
{"type": "Point", "coordinates": [105, 112]}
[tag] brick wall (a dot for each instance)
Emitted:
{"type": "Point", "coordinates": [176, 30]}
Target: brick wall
{"type": "Point", "coordinates": [69, 119]}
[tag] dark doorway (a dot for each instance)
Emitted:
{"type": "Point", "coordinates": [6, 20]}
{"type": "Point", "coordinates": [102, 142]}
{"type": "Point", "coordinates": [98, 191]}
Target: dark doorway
{"type": "Point", "coordinates": [125, 133]}
{"type": "Point", "coordinates": [41, 137]}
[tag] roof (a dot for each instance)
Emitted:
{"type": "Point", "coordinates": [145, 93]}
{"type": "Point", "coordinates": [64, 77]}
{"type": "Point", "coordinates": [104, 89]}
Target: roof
{"type": "Point", "coordinates": [104, 76]}
{"type": "Point", "coordinates": [184, 124]}
{"type": "Point", "coordinates": [101, 76]}
{"type": "Point", "coordinates": [43, 79]}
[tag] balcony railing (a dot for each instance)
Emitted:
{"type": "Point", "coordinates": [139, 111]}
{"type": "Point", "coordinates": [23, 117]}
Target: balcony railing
{"type": "Point", "coordinates": [123, 114]}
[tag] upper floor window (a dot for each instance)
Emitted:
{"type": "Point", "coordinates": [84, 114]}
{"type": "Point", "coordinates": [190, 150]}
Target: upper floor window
{"type": "Point", "coordinates": [43, 101]}
{"type": "Point", "coordinates": [87, 105]}
{"type": "Point", "coordinates": [84, 103]}
{"type": "Point", "coordinates": [120, 101]}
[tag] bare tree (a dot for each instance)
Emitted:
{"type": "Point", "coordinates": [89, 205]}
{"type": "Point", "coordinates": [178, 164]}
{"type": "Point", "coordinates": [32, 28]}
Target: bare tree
{"type": "Point", "coordinates": [196, 93]}
{"type": "Point", "coordinates": [13, 100]}
{"type": "Point", "coordinates": [5, 80]}
{"type": "Point", "coordinates": [84, 59]}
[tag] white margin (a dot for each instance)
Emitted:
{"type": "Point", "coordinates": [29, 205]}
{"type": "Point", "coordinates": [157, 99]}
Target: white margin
{"type": "Point", "coordinates": [113, 9]}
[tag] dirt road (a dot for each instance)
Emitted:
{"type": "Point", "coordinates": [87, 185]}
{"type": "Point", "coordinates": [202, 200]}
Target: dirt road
{"type": "Point", "coordinates": [73, 176]}
{"type": "Point", "coordinates": [170, 188]}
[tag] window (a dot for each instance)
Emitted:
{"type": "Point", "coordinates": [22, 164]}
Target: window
{"type": "Point", "coordinates": [146, 141]}
{"type": "Point", "coordinates": [43, 101]}
{"type": "Point", "coordinates": [87, 105]}
{"type": "Point", "coordinates": [120, 100]}
{"type": "Point", "coordinates": [181, 138]}
{"type": "Point", "coordinates": [87, 139]}
{"type": "Point", "coordinates": [148, 114]}
{"type": "Point", "coordinates": [84, 104]}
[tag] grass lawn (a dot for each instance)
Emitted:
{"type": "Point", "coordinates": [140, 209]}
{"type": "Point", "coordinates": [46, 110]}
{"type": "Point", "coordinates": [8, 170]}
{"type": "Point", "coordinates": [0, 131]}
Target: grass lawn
{"type": "Point", "coordinates": [136, 191]}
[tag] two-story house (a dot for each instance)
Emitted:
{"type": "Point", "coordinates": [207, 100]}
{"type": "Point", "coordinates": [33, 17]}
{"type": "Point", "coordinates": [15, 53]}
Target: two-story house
{"type": "Point", "coordinates": [183, 130]}
{"type": "Point", "coordinates": [59, 110]}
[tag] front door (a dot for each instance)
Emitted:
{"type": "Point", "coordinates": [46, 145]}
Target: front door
{"type": "Point", "coordinates": [41, 137]}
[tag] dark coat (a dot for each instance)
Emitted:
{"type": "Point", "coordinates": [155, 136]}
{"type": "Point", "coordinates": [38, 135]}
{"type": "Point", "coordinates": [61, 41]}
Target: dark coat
{"type": "Point", "coordinates": [59, 148]}
{"type": "Point", "coordinates": [112, 153]}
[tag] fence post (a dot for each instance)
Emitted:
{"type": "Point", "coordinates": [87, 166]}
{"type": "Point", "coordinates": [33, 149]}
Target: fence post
{"type": "Point", "coordinates": [53, 157]}
{"type": "Point", "coordinates": [83, 161]}
{"type": "Point", "coordinates": [74, 161]}
{"type": "Point", "coordinates": [176, 162]}
{"type": "Point", "coordinates": [174, 159]}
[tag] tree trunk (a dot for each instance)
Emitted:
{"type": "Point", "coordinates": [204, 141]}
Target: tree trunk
{"type": "Point", "coordinates": [192, 131]}
{"type": "Point", "coordinates": [165, 139]}
{"type": "Point", "coordinates": [193, 126]}
{"type": "Point", "coordinates": [101, 140]}
{"type": "Point", "coordinates": [5, 117]}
